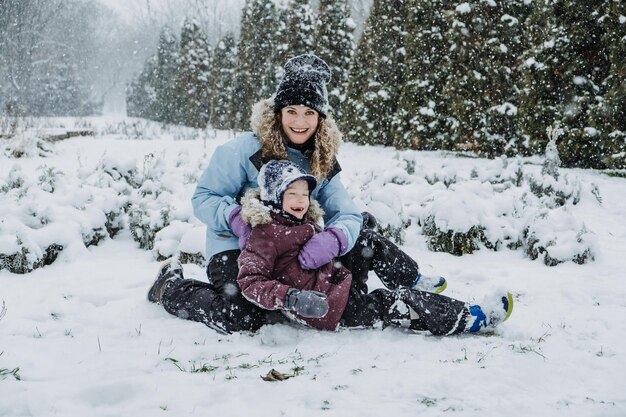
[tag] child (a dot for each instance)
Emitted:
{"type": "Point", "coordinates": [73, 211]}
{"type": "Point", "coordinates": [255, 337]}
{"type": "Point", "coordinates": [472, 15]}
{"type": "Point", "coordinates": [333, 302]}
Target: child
{"type": "Point", "coordinates": [283, 219]}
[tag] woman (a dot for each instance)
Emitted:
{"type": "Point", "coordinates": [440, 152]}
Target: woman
{"type": "Point", "coordinates": [295, 125]}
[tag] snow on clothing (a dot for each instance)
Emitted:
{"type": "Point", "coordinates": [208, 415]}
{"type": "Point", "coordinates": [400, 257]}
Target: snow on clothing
{"type": "Point", "coordinates": [304, 82]}
{"type": "Point", "coordinates": [436, 313]}
{"type": "Point", "coordinates": [232, 171]}
{"type": "Point", "coordinates": [269, 266]}
{"type": "Point", "coordinates": [275, 177]}
{"type": "Point", "coordinates": [220, 305]}
{"type": "Point", "coordinates": [217, 303]}
{"type": "Point", "coordinates": [234, 167]}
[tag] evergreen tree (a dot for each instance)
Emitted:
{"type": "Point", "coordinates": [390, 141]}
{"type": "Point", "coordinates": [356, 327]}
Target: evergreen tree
{"type": "Point", "coordinates": [141, 97]}
{"type": "Point", "coordinates": [335, 45]}
{"type": "Point", "coordinates": [255, 75]}
{"type": "Point", "coordinates": [166, 106]}
{"type": "Point", "coordinates": [276, 57]}
{"type": "Point", "coordinates": [485, 39]}
{"type": "Point", "coordinates": [300, 28]}
{"type": "Point", "coordinates": [281, 42]}
{"type": "Point", "coordinates": [193, 75]}
{"type": "Point", "coordinates": [562, 74]}
{"type": "Point", "coordinates": [376, 75]}
{"type": "Point", "coordinates": [420, 119]}
{"type": "Point", "coordinates": [221, 83]}
{"type": "Point", "coordinates": [608, 113]}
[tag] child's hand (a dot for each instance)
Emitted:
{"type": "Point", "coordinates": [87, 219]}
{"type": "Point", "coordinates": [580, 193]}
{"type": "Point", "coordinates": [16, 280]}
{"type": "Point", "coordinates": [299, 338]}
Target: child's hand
{"type": "Point", "coordinates": [311, 304]}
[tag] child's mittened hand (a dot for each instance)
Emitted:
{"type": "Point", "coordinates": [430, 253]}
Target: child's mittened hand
{"type": "Point", "coordinates": [240, 228]}
{"type": "Point", "coordinates": [320, 249]}
{"type": "Point", "coordinates": [311, 304]}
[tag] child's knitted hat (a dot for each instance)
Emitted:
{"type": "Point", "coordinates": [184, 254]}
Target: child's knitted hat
{"type": "Point", "coordinates": [274, 178]}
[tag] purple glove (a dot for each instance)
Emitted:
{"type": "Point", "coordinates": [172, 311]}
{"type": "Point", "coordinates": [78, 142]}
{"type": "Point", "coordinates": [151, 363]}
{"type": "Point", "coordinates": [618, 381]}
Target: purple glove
{"type": "Point", "coordinates": [240, 228]}
{"type": "Point", "coordinates": [322, 248]}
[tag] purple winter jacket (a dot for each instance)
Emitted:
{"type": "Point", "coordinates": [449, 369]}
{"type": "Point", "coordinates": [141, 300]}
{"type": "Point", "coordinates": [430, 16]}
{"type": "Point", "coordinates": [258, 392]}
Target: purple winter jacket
{"type": "Point", "coordinates": [269, 266]}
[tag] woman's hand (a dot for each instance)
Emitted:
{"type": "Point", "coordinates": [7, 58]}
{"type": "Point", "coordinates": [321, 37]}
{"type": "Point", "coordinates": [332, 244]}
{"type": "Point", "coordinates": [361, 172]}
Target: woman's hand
{"type": "Point", "coordinates": [240, 228]}
{"type": "Point", "coordinates": [322, 248]}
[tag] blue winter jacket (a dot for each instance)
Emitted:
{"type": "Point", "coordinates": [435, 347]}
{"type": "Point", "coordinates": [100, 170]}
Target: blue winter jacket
{"type": "Point", "coordinates": [233, 170]}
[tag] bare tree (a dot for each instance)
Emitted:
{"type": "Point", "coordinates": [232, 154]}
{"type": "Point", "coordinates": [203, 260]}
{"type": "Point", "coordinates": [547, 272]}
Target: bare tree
{"type": "Point", "coordinates": [24, 24]}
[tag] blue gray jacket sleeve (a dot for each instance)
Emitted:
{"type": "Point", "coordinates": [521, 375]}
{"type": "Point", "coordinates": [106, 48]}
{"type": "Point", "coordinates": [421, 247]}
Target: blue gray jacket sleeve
{"type": "Point", "coordinates": [218, 187]}
{"type": "Point", "coordinates": [341, 212]}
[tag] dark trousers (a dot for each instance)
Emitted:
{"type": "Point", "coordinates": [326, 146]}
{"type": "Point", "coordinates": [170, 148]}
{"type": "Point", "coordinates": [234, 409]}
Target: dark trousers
{"type": "Point", "coordinates": [372, 252]}
{"type": "Point", "coordinates": [220, 305]}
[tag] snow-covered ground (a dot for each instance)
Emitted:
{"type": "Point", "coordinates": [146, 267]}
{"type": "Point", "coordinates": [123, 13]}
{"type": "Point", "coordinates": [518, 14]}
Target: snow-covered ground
{"type": "Point", "coordinates": [84, 341]}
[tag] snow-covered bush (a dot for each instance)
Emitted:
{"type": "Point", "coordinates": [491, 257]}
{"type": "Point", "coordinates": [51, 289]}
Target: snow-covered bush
{"type": "Point", "coordinates": [114, 170]}
{"type": "Point", "coordinates": [458, 207]}
{"type": "Point", "coordinates": [26, 144]}
{"type": "Point", "coordinates": [556, 236]}
{"type": "Point", "coordinates": [8, 126]}
{"type": "Point", "coordinates": [379, 194]}
{"type": "Point", "coordinates": [21, 251]}
{"type": "Point", "coordinates": [145, 222]}
{"type": "Point", "coordinates": [185, 240]}
{"type": "Point", "coordinates": [153, 202]}
{"type": "Point", "coordinates": [471, 214]}
{"type": "Point", "coordinates": [497, 204]}
{"type": "Point", "coordinates": [551, 187]}
{"type": "Point", "coordinates": [50, 211]}
{"type": "Point", "coordinates": [455, 243]}
{"type": "Point", "coordinates": [14, 180]}
{"type": "Point", "coordinates": [168, 239]}
{"type": "Point", "coordinates": [147, 190]}
{"type": "Point", "coordinates": [192, 246]}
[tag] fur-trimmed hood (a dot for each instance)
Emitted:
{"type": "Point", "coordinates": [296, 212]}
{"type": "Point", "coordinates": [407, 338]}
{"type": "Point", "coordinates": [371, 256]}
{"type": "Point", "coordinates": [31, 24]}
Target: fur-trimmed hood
{"type": "Point", "coordinates": [255, 213]}
{"type": "Point", "coordinates": [266, 125]}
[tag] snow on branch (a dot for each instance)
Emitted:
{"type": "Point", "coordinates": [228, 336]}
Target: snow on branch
{"type": "Point", "coordinates": [552, 162]}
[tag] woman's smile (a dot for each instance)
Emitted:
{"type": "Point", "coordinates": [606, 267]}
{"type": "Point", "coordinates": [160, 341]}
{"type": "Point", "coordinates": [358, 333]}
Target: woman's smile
{"type": "Point", "coordinates": [299, 123]}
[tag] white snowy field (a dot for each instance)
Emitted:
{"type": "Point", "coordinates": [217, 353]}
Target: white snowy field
{"type": "Point", "coordinates": [79, 337]}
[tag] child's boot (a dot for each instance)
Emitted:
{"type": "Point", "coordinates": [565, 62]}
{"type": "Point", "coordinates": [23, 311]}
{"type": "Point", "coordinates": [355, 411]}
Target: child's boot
{"type": "Point", "coordinates": [491, 312]}
{"type": "Point", "coordinates": [429, 284]}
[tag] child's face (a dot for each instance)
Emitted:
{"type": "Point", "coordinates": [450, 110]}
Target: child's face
{"type": "Point", "coordinates": [299, 123]}
{"type": "Point", "coordinates": [296, 199]}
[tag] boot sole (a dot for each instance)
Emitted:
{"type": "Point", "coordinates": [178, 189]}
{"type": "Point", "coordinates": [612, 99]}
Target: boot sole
{"type": "Point", "coordinates": [158, 282]}
{"type": "Point", "coordinates": [509, 310]}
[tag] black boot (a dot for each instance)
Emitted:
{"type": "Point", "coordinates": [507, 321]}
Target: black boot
{"type": "Point", "coordinates": [170, 271]}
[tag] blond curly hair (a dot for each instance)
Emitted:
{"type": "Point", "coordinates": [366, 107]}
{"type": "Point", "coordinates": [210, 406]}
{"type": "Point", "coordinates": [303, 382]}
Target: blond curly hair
{"type": "Point", "coordinates": [267, 126]}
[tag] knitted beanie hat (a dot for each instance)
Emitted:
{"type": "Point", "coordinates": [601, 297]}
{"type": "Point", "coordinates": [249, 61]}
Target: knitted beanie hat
{"type": "Point", "coordinates": [274, 178]}
{"type": "Point", "coordinates": [304, 82]}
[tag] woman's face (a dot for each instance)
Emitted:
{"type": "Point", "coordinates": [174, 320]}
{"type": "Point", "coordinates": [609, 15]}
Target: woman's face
{"type": "Point", "coordinates": [299, 123]}
{"type": "Point", "coordinates": [296, 199]}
